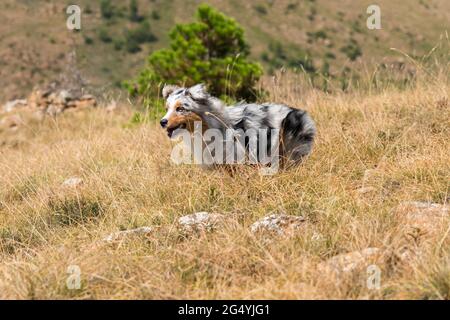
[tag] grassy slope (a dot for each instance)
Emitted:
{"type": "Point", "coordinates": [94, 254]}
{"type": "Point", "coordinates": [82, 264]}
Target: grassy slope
{"type": "Point", "coordinates": [34, 39]}
{"type": "Point", "coordinates": [129, 181]}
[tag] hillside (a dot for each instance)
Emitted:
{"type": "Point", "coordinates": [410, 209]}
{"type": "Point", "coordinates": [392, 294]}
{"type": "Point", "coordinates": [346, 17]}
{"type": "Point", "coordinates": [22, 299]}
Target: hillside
{"type": "Point", "coordinates": [322, 35]}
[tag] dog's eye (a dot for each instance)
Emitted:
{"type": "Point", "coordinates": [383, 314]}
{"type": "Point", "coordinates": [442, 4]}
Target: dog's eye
{"type": "Point", "coordinates": [181, 109]}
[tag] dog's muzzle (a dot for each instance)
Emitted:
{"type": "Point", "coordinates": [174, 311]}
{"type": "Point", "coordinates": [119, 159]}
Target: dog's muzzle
{"type": "Point", "coordinates": [163, 123]}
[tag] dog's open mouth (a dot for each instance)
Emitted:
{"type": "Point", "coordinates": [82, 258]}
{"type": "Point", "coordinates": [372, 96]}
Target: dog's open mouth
{"type": "Point", "coordinates": [170, 131]}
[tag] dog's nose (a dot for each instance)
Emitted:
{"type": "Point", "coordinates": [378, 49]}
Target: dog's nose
{"type": "Point", "coordinates": [163, 123]}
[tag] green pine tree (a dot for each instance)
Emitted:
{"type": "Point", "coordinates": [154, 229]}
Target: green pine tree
{"type": "Point", "coordinates": [211, 50]}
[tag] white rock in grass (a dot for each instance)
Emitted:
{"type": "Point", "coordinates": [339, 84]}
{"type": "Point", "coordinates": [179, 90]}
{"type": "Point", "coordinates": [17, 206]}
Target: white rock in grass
{"type": "Point", "coordinates": [12, 122]}
{"type": "Point", "coordinates": [112, 106]}
{"type": "Point", "coordinates": [200, 221]}
{"type": "Point", "coordinates": [365, 190]}
{"type": "Point", "coordinates": [277, 223]}
{"type": "Point", "coordinates": [14, 104]}
{"type": "Point", "coordinates": [73, 182]}
{"type": "Point", "coordinates": [423, 216]}
{"type": "Point", "coordinates": [122, 235]}
{"type": "Point", "coordinates": [348, 262]}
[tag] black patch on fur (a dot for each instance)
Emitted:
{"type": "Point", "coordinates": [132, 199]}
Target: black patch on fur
{"type": "Point", "coordinates": [202, 102]}
{"type": "Point", "coordinates": [265, 124]}
{"type": "Point", "coordinates": [240, 125]}
{"type": "Point", "coordinates": [294, 122]}
{"type": "Point", "coordinates": [295, 135]}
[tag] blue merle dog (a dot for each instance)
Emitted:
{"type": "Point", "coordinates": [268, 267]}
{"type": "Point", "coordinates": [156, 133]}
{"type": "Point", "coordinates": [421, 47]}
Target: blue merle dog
{"type": "Point", "coordinates": [186, 105]}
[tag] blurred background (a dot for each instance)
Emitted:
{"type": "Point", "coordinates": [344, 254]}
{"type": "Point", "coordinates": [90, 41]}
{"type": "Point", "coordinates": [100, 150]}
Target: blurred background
{"type": "Point", "coordinates": [328, 41]}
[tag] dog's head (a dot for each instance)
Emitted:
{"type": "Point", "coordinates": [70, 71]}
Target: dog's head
{"type": "Point", "coordinates": [180, 103]}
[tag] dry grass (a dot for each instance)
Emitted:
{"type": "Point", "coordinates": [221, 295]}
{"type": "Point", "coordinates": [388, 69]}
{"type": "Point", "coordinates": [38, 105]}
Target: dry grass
{"type": "Point", "coordinates": [402, 137]}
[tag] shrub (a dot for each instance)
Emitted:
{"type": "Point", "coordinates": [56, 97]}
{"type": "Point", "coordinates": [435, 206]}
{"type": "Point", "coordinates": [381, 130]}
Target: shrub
{"type": "Point", "coordinates": [134, 11]}
{"type": "Point", "coordinates": [261, 9]}
{"type": "Point", "coordinates": [352, 50]}
{"type": "Point", "coordinates": [104, 35]}
{"type": "Point", "coordinates": [88, 40]}
{"type": "Point", "coordinates": [280, 58]}
{"type": "Point", "coordinates": [132, 46]}
{"type": "Point", "coordinates": [155, 15]}
{"type": "Point", "coordinates": [211, 50]}
{"type": "Point", "coordinates": [135, 37]}
{"type": "Point", "coordinates": [141, 34]}
{"type": "Point", "coordinates": [106, 9]}
{"type": "Point", "coordinates": [330, 55]}
{"type": "Point", "coordinates": [291, 7]}
{"type": "Point", "coordinates": [118, 44]}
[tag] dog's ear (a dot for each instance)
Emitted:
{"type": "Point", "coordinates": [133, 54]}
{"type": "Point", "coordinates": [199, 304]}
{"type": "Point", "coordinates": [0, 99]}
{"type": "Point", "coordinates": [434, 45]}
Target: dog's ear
{"type": "Point", "coordinates": [198, 92]}
{"type": "Point", "coordinates": [168, 90]}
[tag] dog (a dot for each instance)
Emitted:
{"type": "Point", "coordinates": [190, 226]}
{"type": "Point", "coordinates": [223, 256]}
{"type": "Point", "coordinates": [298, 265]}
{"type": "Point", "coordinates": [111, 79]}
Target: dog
{"type": "Point", "coordinates": [185, 106]}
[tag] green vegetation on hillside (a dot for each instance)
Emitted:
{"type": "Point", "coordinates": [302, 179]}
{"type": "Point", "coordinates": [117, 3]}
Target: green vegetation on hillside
{"type": "Point", "coordinates": [211, 50]}
{"type": "Point", "coordinates": [327, 41]}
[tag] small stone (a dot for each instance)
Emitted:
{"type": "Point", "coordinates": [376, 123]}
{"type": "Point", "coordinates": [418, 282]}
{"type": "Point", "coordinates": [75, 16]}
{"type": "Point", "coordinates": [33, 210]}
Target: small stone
{"type": "Point", "coordinates": [87, 97]}
{"type": "Point", "coordinates": [112, 106]}
{"type": "Point", "coordinates": [126, 234]}
{"type": "Point", "coordinates": [73, 182]}
{"type": "Point", "coordinates": [11, 122]}
{"type": "Point", "coordinates": [348, 262]}
{"type": "Point", "coordinates": [200, 221]}
{"type": "Point", "coordinates": [277, 223]}
{"type": "Point", "coordinates": [14, 104]}
{"type": "Point", "coordinates": [64, 96]}
{"type": "Point", "coordinates": [82, 104]}
{"type": "Point", "coordinates": [54, 109]}
{"type": "Point", "coordinates": [365, 190]}
{"type": "Point", "coordinates": [423, 216]}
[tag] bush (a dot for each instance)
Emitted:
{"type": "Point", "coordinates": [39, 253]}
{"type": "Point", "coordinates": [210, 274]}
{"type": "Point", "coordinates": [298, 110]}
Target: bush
{"type": "Point", "coordinates": [261, 9]}
{"type": "Point", "coordinates": [88, 40]}
{"type": "Point", "coordinates": [211, 50]}
{"type": "Point", "coordinates": [135, 37]}
{"type": "Point", "coordinates": [352, 50]}
{"type": "Point", "coordinates": [141, 34]}
{"type": "Point", "coordinates": [134, 11]}
{"type": "Point", "coordinates": [106, 9]}
{"type": "Point", "coordinates": [104, 35]}
{"type": "Point", "coordinates": [132, 46]}
{"type": "Point", "coordinates": [118, 44]}
{"type": "Point", "coordinates": [155, 15]}
{"type": "Point", "coordinates": [280, 58]}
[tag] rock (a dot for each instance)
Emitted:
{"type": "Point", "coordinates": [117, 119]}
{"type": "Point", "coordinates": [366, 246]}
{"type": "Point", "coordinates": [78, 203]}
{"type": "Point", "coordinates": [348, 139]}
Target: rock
{"type": "Point", "coordinates": [420, 226]}
{"type": "Point", "coordinates": [348, 262]}
{"type": "Point", "coordinates": [86, 101]}
{"type": "Point", "coordinates": [423, 217]}
{"type": "Point", "coordinates": [365, 190]}
{"type": "Point", "coordinates": [11, 122]}
{"type": "Point", "coordinates": [199, 222]}
{"type": "Point", "coordinates": [54, 109]}
{"type": "Point", "coordinates": [64, 96]}
{"type": "Point", "coordinates": [277, 223]}
{"type": "Point", "coordinates": [122, 235]}
{"type": "Point", "coordinates": [14, 104]}
{"type": "Point", "coordinates": [55, 102]}
{"type": "Point", "coordinates": [87, 97]}
{"type": "Point", "coordinates": [73, 182]}
{"type": "Point", "coordinates": [38, 99]}
{"type": "Point", "coordinates": [112, 106]}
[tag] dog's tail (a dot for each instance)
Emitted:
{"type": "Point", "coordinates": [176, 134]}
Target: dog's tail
{"type": "Point", "coordinates": [297, 136]}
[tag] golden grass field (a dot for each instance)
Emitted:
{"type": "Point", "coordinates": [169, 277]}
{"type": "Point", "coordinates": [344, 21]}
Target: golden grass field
{"type": "Point", "coordinates": [400, 137]}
